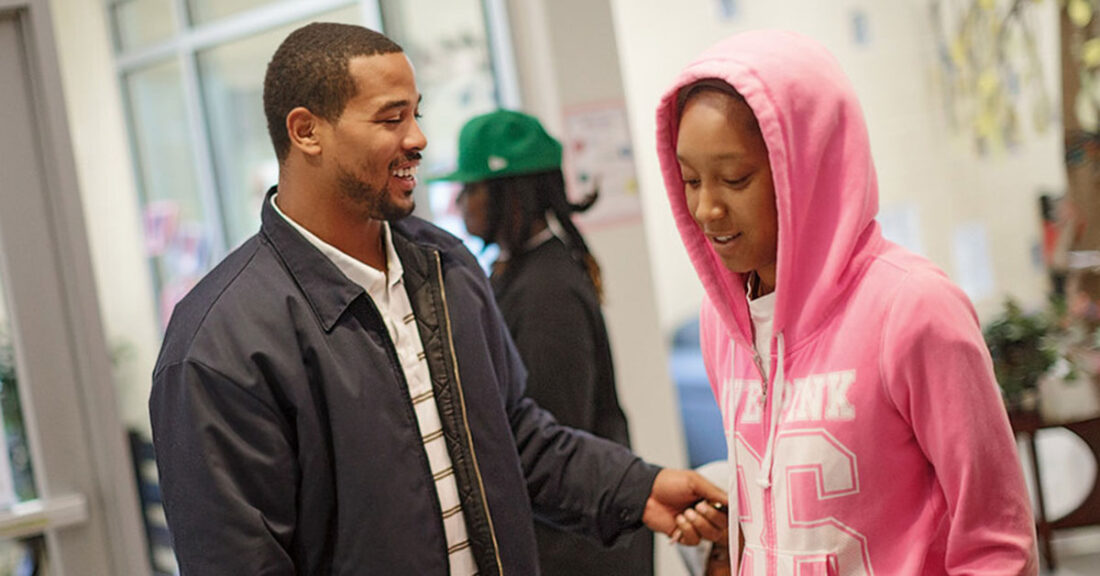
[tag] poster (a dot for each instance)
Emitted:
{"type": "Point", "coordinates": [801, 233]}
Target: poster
{"type": "Point", "coordinates": [599, 154]}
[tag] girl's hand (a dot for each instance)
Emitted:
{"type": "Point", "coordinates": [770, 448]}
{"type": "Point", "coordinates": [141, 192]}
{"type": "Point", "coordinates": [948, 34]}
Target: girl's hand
{"type": "Point", "coordinates": [704, 521]}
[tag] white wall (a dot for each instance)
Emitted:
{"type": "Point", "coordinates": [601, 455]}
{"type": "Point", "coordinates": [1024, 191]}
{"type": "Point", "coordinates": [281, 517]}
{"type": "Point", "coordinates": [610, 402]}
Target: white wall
{"type": "Point", "coordinates": [109, 196]}
{"type": "Point", "coordinates": [921, 164]}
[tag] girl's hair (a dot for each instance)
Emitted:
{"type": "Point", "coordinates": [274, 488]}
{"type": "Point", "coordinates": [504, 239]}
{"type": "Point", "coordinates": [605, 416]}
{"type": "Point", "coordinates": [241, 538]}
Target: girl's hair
{"type": "Point", "coordinates": [718, 85]}
{"type": "Point", "coordinates": [532, 196]}
{"type": "Point", "coordinates": [705, 85]}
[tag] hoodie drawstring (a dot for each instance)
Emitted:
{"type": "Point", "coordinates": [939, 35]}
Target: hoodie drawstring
{"type": "Point", "coordinates": [764, 480]}
{"type": "Point", "coordinates": [733, 491]}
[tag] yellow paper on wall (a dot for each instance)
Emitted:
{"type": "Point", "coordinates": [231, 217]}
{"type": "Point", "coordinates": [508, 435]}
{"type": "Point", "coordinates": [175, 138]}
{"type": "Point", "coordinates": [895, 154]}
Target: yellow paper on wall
{"type": "Point", "coordinates": [988, 83]}
{"type": "Point", "coordinates": [1090, 52]}
{"type": "Point", "coordinates": [1080, 12]}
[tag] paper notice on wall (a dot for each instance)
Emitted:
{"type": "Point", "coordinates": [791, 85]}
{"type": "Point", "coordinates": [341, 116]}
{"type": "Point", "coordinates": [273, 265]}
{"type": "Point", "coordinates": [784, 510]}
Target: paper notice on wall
{"type": "Point", "coordinates": [599, 154]}
{"type": "Point", "coordinates": [973, 261]}
{"type": "Point", "coordinates": [189, 250]}
{"type": "Point", "coordinates": [160, 219]}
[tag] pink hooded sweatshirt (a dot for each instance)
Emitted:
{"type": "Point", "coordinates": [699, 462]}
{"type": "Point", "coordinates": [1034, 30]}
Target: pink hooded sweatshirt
{"type": "Point", "coordinates": [889, 451]}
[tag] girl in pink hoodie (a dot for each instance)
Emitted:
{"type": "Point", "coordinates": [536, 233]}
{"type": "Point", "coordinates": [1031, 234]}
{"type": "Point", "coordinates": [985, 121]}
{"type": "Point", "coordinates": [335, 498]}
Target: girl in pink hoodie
{"type": "Point", "coordinates": [860, 408]}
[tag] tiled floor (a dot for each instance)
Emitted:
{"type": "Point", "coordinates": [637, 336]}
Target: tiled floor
{"type": "Point", "coordinates": [1077, 553]}
{"type": "Point", "coordinates": [1077, 566]}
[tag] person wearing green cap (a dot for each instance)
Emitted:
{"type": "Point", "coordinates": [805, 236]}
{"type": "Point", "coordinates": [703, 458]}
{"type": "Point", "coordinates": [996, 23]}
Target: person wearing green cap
{"type": "Point", "coordinates": [549, 290]}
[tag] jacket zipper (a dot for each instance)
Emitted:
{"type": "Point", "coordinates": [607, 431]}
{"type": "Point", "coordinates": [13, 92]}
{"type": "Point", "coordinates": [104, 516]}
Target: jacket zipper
{"type": "Point", "coordinates": [465, 420]}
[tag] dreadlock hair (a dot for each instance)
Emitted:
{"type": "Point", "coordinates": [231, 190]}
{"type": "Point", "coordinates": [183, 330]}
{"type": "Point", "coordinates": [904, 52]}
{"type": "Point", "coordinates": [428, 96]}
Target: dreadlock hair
{"type": "Point", "coordinates": [531, 196]}
{"type": "Point", "coordinates": [310, 69]}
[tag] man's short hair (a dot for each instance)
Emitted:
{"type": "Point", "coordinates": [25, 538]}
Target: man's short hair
{"type": "Point", "coordinates": [310, 69]}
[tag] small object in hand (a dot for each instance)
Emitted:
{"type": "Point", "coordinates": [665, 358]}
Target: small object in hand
{"type": "Point", "coordinates": [715, 504]}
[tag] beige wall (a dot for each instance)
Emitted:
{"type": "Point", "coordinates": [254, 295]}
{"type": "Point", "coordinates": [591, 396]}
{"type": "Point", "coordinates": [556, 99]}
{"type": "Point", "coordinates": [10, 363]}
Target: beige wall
{"type": "Point", "coordinates": [109, 196]}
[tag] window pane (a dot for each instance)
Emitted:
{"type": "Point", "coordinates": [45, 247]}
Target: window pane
{"type": "Point", "coordinates": [203, 11]}
{"type": "Point", "coordinates": [232, 84]}
{"type": "Point", "coordinates": [23, 557]}
{"type": "Point", "coordinates": [454, 72]}
{"type": "Point", "coordinates": [450, 51]}
{"type": "Point", "coordinates": [16, 473]}
{"type": "Point", "coordinates": [177, 238]}
{"type": "Point", "coordinates": [142, 22]}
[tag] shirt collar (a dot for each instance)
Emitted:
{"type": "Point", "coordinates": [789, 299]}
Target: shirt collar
{"type": "Point", "coordinates": [369, 278]}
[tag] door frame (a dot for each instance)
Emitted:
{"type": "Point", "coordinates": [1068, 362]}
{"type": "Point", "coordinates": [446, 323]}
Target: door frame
{"type": "Point", "coordinates": [88, 506]}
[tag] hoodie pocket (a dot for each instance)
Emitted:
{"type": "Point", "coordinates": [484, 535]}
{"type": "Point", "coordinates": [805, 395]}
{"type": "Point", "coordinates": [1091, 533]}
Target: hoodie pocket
{"type": "Point", "coordinates": [802, 565]}
{"type": "Point", "coordinates": [790, 564]}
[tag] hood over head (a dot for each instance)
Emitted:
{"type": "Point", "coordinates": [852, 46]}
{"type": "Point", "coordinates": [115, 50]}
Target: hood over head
{"type": "Point", "coordinates": [824, 178]}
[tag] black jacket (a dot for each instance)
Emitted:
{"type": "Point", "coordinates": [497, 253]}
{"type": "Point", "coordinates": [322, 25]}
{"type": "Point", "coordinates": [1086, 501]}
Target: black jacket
{"type": "Point", "coordinates": [287, 443]}
{"type": "Point", "coordinates": [553, 313]}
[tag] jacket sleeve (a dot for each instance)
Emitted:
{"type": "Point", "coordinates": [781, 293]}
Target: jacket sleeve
{"type": "Point", "coordinates": [578, 481]}
{"type": "Point", "coordinates": [555, 338]}
{"type": "Point", "coordinates": [227, 471]}
{"type": "Point", "coordinates": [937, 371]}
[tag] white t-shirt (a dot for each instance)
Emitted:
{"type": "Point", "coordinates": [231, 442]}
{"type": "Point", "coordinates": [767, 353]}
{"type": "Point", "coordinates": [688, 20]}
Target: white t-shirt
{"type": "Point", "coordinates": [762, 311]}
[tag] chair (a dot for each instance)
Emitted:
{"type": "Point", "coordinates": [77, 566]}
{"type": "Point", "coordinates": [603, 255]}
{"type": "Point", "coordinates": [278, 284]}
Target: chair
{"type": "Point", "coordinates": [161, 556]}
{"type": "Point", "coordinates": [699, 412]}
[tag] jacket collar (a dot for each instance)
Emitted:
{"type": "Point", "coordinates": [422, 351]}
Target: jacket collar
{"type": "Point", "coordinates": [414, 259]}
{"type": "Point", "coordinates": [325, 287]}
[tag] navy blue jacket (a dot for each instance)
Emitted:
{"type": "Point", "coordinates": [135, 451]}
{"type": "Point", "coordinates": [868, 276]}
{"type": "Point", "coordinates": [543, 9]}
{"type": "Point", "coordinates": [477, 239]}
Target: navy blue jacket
{"type": "Point", "coordinates": [287, 443]}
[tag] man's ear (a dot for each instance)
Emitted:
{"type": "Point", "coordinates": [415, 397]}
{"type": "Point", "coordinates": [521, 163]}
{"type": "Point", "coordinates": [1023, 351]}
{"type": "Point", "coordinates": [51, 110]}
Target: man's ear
{"type": "Point", "coordinates": [303, 127]}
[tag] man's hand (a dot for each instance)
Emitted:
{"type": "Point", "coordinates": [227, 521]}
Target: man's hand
{"type": "Point", "coordinates": [675, 492]}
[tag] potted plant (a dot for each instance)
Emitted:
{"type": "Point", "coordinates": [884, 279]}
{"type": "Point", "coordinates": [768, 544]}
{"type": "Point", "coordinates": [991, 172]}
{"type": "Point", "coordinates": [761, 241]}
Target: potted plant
{"type": "Point", "coordinates": [1021, 347]}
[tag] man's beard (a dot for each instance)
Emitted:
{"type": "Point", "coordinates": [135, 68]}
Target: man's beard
{"type": "Point", "coordinates": [375, 203]}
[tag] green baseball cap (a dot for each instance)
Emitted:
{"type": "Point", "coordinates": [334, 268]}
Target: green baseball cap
{"type": "Point", "coordinates": [503, 143]}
